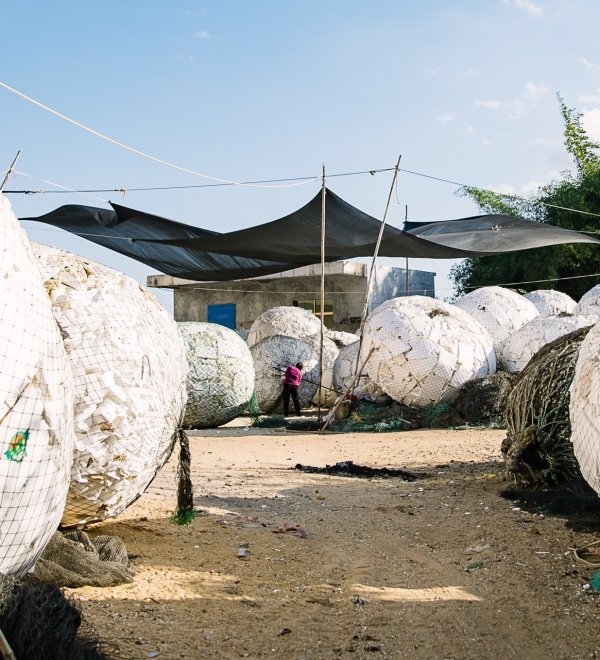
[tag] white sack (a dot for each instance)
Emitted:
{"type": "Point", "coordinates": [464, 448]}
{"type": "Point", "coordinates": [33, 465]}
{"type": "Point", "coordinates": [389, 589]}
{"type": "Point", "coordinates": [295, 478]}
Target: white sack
{"type": "Point", "coordinates": [549, 302]}
{"type": "Point", "coordinates": [589, 304]}
{"type": "Point", "coordinates": [288, 321]}
{"type": "Point", "coordinates": [343, 371]}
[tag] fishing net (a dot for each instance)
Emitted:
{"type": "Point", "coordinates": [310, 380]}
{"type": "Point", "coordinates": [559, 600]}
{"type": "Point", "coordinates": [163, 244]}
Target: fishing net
{"type": "Point", "coordinates": [585, 409]}
{"type": "Point", "coordinates": [272, 356]}
{"type": "Point", "coordinates": [325, 394]}
{"type": "Point", "coordinates": [287, 321]}
{"type": "Point", "coordinates": [344, 372]}
{"type": "Point", "coordinates": [521, 346]}
{"type": "Point", "coordinates": [422, 350]}
{"type": "Point", "coordinates": [36, 413]}
{"type": "Point", "coordinates": [129, 369]}
{"type": "Point", "coordinates": [500, 311]}
{"type": "Point", "coordinates": [220, 380]}
{"type": "Point", "coordinates": [537, 449]}
{"type": "Point", "coordinates": [549, 302]}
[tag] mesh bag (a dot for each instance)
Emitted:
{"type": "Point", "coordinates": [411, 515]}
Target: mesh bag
{"type": "Point", "coordinates": [344, 368]}
{"type": "Point", "coordinates": [325, 395]}
{"type": "Point", "coordinates": [129, 369]}
{"type": "Point", "coordinates": [287, 321]}
{"type": "Point", "coordinates": [521, 346]}
{"type": "Point", "coordinates": [425, 350]}
{"type": "Point", "coordinates": [220, 380]}
{"type": "Point", "coordinates": [537, 448]}
{"type": "Point", "coordinates": [36, 419]}
{"type": "Point", "coordinates": [549, 302]}
{"type": "Point", "coordinates": [272, 356]}
{"type": "Point", "coordinates": [585, 409]}
{"type": "Point", "coordinates": [589, 304]}
{"type": "Point", "coordinates": [500, 311]}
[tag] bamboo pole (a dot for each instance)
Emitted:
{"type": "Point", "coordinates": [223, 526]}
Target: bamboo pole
{"type": "Point", "coordinates": [5, 651]}
{"type": "Point", "coordinates": [9, 171]}
{"type": "Point", "coordinates": [323, 198]}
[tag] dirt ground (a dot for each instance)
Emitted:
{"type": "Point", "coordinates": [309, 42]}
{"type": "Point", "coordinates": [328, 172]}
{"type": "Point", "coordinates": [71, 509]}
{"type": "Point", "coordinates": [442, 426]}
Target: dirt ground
{"type": "Point", "coordinates": [439, 567]}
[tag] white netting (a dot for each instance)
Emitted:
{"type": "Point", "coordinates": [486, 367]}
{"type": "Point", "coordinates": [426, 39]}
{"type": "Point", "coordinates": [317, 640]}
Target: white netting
{"type": "Point", "coordinates": [549, 302]}
{"type": "Point", "coordinates": [341, 338]}
{"type": "Point", "coordinates": [286, 321]}
{"type": "Point", "coordinates": [584, 409]}
{"type": "Point", "coordinates": [500, 311]}
{"type": "Point", "coordinates": [325, 395]}
{"type": "Point", "coordinates": [36, 418]}
{"type": "Point", "coordinates": [521, 346]}
{"type": "Point", "coordinates": [272, 356]}
{"type": "Point", "coordinates": [129, 369]}
{"type": "Point", "coordinates": [589, 304]}
{"type": "Point", "coordinates": [220, 380]}
{"type": "Point", "coordinates": [425, 350]}
{"type": "Point", "coordinates": [343, 372]}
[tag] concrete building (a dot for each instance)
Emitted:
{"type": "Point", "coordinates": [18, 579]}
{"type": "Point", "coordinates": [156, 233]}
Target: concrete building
{"type": "Point", "coordinates": [236, 304]}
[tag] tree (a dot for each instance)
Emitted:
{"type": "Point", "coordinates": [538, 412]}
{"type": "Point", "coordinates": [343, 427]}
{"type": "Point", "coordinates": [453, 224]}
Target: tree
{"type": "Point", "coordinates": [546, 268]}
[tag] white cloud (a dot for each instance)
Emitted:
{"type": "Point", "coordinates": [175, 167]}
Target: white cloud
{"type": "Point", "coordinates": [590, 65]}
{"type": "Point", "coordinates": [202, 34]}
{"type": "Point", "coordinates": [526, 5]}
{"type": "Point", "coordinates": [592, 98]}
{"type": "Point", "coordinates": [503, 189]}
{"type": "Point", "coordinates": [434, 72]}
{"type": "Point", "coordinates": [530, 187]}
{"type": "Point", "coordinates": [490, 105]}
{"type": "Point", "coordinates": [514, 109]}
{"type": "Point", "coordinates": [446, 118]}
{"type": "Point", "coordinates": [534, 91]}
{"type": "Point", "coordinates": [591, 122]}
{"type": "Point", "coordinates": [545, 141]}
{"type": "Point", "coordinates": [468, 129]}
{"type": "Point", "coordinates": [467, 73]}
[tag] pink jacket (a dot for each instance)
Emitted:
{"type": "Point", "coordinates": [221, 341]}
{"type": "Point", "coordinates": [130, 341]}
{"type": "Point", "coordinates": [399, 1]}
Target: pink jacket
{"type": "Point", "coordinates": [292, 376]}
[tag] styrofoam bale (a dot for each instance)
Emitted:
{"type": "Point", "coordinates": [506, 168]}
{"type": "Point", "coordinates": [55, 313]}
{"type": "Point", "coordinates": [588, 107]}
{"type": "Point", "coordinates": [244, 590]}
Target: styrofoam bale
{"type": "Point", "coordinates": [326, 395]}
{"type": "Point", "coordinates": [343, 371]}
{"type": "Point", "coordinates": [341, 338]}
{"type": "Point", "coordinates": [521, 346]}
{"type": "Point", "coordinates": [36, 409]}
{"type": "Point", "coordinates": [287, 321]}
{"type": "Point", "coordinates": [272, 355]}
{"type": "Point", "coordinates": [129, 369]}
{"type": "Point", "coordinates": [500, 311]}
{"type": "Point", "coordinates": [589, 304]}
{"type": "Point", "coordinates": [550, 302]}
{"type": "Point", "coordinates": [220, 379]}
{"type": "Point", "coordinates": [584, 408]}
{"type": "Point", "coordinates": [425, 350]}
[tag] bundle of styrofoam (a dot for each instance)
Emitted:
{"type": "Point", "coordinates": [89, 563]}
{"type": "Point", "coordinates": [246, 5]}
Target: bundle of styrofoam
{"type": "Point", "coordinates": [287, 321]}
{"type": "Point", "coordinates": [423, 350]}
{"type": "Point", "coordinates": [36, 413]}
{"type": "Point", "coordinates": [500, 311]}
{"type": "Point", "coordinates": [343, 371]}
{"type": "Point", "coordinates": [521, 346]}
{"type": "Point", "coordinates": [129, 370]}
{"type": "Point", "coordinates": [272, 356]}
{"type": "Point", "coordinates": [220, 379]}
{"type": "Point", "coordinates": [341, 338]}
{"type": "Point", "coordinates": [550, 302]}
{"type": "Point", "coordinates": [589, 304]}
{"type": "Point", "coordinates": [325, 395]}
{"type": "Point", "coordinates": [584, 408]}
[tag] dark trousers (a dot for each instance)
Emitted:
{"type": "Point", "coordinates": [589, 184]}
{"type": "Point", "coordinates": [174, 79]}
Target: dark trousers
{"type": "Point", "coordinates": [290, 391]}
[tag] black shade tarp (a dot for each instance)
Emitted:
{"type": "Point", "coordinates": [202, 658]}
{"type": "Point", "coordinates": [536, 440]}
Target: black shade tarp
{"type": "Point", "coordinates": [199, 254]}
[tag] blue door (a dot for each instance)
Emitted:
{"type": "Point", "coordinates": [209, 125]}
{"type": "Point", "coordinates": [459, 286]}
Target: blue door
{"type": "Point", "coordinates": [222, 314]}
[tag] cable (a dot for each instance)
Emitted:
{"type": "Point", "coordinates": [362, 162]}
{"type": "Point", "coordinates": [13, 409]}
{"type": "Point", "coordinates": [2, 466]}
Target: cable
{"type": "Point", "coordinates": [137, 151]}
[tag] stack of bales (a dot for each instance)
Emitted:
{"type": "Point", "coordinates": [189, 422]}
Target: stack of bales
{"type": "Point", "coordinates": [36, 419]}
{"type": "Point", "coordinates": [220, 380]}
{"type": "Point", "coordinates": [129, 369]}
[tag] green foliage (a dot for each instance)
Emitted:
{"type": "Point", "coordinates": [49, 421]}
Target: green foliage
{"type": "Point", "coordinates": [184, 517]}
{"type": "Point", "coordinates": [269, 421]}
{"type": "Point", "coordinates": [550, 203]}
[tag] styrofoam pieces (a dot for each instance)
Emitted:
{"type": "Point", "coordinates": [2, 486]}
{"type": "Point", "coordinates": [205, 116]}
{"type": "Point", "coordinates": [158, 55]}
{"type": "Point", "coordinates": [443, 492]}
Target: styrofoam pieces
{"type": "Point", "coordinates": [425, 350]}
{"type": "Point", "coordinates": [521, 346]}
{"type": "Point", "coordinates": [589, 304]}
{"type": "Point", "coordinates": [272, 356]}
{"type": "Point", "coordinates": [220, 379]}
{"type": "Point", "coordinates": [550, 302]}
{"type": "Point", "coordinates": [36, 413]}
{"type": "Point", "coordinates": [344, 368]}
{"type": "Point", "coordinates": [287, 321]}
{"type": "Point", "coordinates": [129, 368]}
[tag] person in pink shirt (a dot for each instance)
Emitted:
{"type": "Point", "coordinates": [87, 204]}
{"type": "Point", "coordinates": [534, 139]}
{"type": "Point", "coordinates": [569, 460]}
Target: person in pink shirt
{"type": "Point", "coordinates": [291, 382]}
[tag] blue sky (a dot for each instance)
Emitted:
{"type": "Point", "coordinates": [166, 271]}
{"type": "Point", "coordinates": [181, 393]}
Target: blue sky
{"type": "Point", "coordinates": [261, 89]}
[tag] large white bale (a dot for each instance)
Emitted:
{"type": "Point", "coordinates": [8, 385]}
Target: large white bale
{"type": "Point", "coordinates": [129, 369]}
{"type": "Point", "coordinates": [550, 302]}
{"type": "Point", "coordinates": [500, 311]}
{"type": "Point", "coordinates": [325, 395]}
{"type": "Point", "coordinates": [589, 304]}
{"type": "Point", "coordinates": [220, 380]}
{"type": "Point", "coordinates": [521, 346]}
{"type": "Point", "coordinates": [272, 356]}
{"type": "Point", "coordinates": [584, 408]}
{"type": "Point", "coordinates": [425, 350]}
{"type": "Point", "coordinates": [36, 413]}
{"type": "Point", "coordinates": [343, 371]}
{"type": "Point", "coordinates": [287, 321]}
{"type": "Point", "coordinates": [341, 338]}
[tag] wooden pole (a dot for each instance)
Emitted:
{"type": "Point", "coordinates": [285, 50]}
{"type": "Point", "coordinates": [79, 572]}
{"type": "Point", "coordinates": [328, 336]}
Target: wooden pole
{"type": "Point", "coordinates": [6, 653]}
{"type": "Point", "coordinates": [9, 171]}
{"type": "Point", "coordinates": [406, 285]}
{"type": "Point", "coordinates": [320, 391]}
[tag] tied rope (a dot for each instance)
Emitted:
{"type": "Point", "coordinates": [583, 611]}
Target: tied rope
{"type": "Point", "coordinates": [185, 491]}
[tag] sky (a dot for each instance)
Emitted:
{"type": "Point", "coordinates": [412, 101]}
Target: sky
{"type": "Point", "coordinates": [270, 89]}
